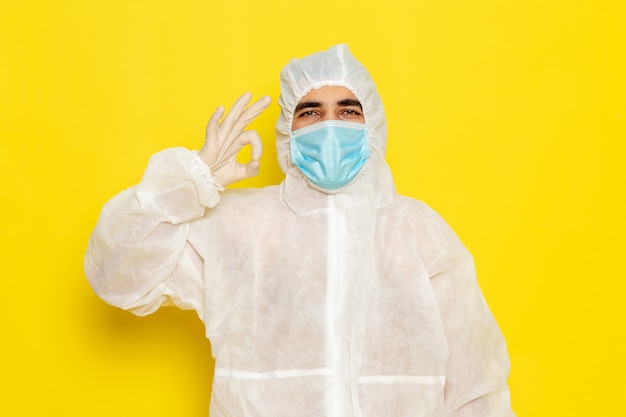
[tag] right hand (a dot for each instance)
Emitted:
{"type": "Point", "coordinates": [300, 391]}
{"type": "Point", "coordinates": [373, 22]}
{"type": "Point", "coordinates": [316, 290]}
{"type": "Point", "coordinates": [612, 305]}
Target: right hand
{"type": "Point", "coordinates": [224, 141]}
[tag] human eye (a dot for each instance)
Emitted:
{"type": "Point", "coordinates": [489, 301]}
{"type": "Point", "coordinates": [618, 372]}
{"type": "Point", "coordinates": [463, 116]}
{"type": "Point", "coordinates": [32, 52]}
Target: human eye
{"type": "Point", "coordinates": [352, 113]}
{"type": "Point", "coordinates": [307, 113]}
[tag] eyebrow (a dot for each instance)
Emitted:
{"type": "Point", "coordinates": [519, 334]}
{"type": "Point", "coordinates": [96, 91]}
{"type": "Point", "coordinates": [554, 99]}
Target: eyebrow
{"type": "Point", "coordinates": [350, 102]}
{"type": "Point", "coordinates": [307, 104]}
{"type": "Point", "coordinates": [313, 104]}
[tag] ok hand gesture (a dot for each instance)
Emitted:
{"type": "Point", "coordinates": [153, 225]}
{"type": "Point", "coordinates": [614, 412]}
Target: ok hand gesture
{"type": "Point", "coordinates": [224, 141]}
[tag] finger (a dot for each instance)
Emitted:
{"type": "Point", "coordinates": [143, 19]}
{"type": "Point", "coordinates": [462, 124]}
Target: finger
{"type": "Point", "coordinates": [252, 168]}
{"type": "Point", "coordinates": [251, 113]}
{"type": "Point", "coordinates": [234, 113]}
{"type": "Point", "coordinates": [252, 138]}
{"type": "Point", "coordinates": [228, 154]}
{"type": "Point", "coordinates": [212, 128]}
{"type": "Point", "coordinates": [248, 170]}
{"type": "Point", "coordinates": [236, 172]}
{"type": "Point", "coordinates": [254, 110]}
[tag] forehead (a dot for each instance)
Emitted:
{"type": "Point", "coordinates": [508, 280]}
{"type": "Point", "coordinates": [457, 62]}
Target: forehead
{"type": "Point", "coordinates": [328, 94]}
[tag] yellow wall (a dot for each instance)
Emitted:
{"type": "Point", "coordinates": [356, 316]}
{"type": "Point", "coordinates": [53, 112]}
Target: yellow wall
{"type": "Point", "coordinates": [508, 117]}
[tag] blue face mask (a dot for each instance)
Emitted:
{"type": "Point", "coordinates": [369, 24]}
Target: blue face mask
{"type": "Point", "coordinates": [331, 153]}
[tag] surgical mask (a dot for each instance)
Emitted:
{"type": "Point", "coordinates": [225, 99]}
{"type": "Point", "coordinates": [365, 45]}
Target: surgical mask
{"type": "Point", "coordinates": [330, 154]}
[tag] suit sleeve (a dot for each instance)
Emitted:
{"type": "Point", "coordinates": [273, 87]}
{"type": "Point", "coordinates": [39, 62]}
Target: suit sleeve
{"type": "Point", "coordinates": [478, 365]}
{"type": "Point", "coordinates": [138, 257]}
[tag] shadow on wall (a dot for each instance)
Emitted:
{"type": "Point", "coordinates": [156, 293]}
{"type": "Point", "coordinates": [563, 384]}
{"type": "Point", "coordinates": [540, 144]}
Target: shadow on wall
{"type": "Point", "coordinates": [171, 342]}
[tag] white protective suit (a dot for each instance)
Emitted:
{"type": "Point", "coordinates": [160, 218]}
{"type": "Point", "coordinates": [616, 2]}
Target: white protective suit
{"type": "Point", "coordinates": [363, 303]}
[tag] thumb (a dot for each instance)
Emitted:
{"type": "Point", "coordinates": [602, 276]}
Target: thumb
{"type": "Point", "coordinates": [252, 168]}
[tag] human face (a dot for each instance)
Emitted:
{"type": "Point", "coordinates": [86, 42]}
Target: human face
{"type": "Point", "coordinates": [327, 103]}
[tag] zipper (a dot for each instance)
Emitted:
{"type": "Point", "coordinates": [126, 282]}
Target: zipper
{"type": "Point", "coordinates": [335, 311]}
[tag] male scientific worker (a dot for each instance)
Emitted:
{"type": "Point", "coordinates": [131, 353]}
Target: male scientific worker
{"type": "Point", "coordinates": [328, 295]}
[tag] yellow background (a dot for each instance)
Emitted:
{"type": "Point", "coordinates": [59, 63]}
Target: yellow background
{"type": "Point", "coordinates": [507, 117]}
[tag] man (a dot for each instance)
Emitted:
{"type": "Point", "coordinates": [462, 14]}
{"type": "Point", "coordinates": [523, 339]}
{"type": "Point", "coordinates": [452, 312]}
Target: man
{"type": "Point", "coordinates": [328, 295]}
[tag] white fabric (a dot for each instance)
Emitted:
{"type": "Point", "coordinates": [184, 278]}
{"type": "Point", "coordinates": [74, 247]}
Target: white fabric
{"type": "Point", "coordinates": [362, 303]}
